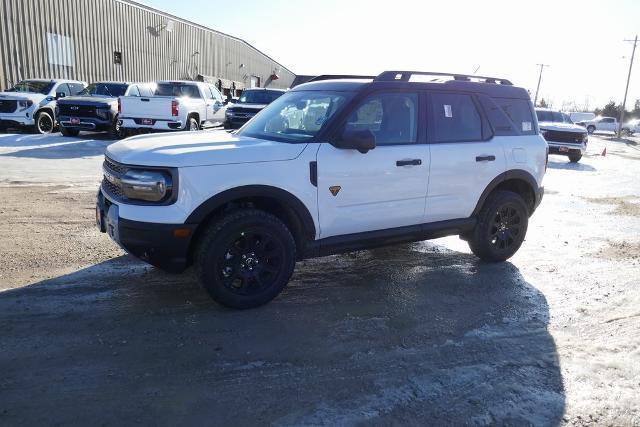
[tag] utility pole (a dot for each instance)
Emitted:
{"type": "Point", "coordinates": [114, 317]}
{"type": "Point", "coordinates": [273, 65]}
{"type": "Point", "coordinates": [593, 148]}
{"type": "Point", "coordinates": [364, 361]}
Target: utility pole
{"type": "Point", "coordinates": [626, 89]}
{"type": "Point", "coordinates": [535, 101]}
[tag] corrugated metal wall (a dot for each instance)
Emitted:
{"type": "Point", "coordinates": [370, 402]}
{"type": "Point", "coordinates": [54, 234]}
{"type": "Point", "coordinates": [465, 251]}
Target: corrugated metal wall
{"type": "Point", "coordinates": [97, 28]}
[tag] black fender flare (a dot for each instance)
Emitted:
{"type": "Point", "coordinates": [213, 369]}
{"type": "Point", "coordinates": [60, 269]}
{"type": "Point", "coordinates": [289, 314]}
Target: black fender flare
{"type": "Point", "coordinates": [286, 198]}
{"type": "Point", "coordinates": [505, 176]}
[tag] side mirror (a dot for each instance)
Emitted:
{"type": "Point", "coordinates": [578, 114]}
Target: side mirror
{"type": "Point", "coordinates": [60, 95]}
{"type": "Point", "coordinates": [361, 140]}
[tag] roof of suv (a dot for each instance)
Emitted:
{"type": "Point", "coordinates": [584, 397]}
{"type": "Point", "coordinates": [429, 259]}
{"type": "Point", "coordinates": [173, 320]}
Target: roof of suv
{"type": "Point", "coordinates": [495, 87]}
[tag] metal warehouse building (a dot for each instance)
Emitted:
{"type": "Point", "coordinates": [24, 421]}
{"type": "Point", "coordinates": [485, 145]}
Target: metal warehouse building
{"type": "Point", "coordinates": [94, 40]}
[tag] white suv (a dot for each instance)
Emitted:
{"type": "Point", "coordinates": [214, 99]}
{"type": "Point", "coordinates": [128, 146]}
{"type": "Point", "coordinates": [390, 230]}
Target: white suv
{"type": "Point", "coordinates": [334, 165]}
{"type": "Point", "coordinates": [32, 103]}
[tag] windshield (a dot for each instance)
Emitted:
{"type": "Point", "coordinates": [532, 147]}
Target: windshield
{"type": "Point", "coordinates": [552, 116]}
{"type": "Point", "coordinates": [32, 86]}
{"type": "Point", "coordinates": [296, 116]}
{"type": "Point", "coordinates": [259, 96]}
{"type": "Point", "coordinates": [106, 89]}
{"type": "Point", "coordinates": [179, 90]}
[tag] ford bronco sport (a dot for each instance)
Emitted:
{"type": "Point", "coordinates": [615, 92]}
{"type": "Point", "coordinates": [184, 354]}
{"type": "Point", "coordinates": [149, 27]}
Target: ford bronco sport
{"type": "Point", "coordinates": [334, 165]}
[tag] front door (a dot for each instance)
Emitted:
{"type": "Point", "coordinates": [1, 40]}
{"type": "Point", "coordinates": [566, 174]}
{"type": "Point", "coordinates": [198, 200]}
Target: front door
{"type": "Point", "coordinates": [384, 187]}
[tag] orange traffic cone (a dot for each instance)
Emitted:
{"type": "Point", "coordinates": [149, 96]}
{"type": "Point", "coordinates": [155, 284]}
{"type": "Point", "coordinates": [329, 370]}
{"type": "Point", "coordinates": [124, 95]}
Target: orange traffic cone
{"type": "Point", "coordinates": [604, 152]}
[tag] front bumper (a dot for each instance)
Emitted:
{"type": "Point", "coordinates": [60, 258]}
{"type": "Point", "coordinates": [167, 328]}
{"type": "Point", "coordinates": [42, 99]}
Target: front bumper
{"type": "Point", "coordinates": [566, 149]}
{"type": "Point", "coordinates": [17, 120]}
{"type": "Point", "coordinates": [165, 246]}
{"type": "Point", "coordinates": [86, 123]}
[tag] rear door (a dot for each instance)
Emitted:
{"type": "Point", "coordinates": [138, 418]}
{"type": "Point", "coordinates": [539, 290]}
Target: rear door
{"type": "Point", "coordinates": [465, 157]}
{"type": "Point", "coordinates": [215, 105]}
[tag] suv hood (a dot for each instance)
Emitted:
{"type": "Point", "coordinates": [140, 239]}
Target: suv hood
{"type": "Point", "coordinates": [20, 96]}
{"type": "Point", "coordinates": [562, 127]}
{"type": "Point", "coordinates": [202, 148]}
{"type": "Point", "coordinates": [256, 107]}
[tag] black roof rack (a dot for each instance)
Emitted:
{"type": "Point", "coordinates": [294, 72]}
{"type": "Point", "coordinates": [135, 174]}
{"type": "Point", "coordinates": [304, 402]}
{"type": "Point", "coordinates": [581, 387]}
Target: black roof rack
{"type": "Point", "coordinates": [388, 76]}
{"type": "Point", "coordinates": [339, 77]}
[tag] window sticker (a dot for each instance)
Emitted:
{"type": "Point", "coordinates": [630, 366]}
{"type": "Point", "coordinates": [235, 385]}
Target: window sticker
{"type": "Point", "coordinates": [447, 111]}
{"type": "Point", "coordinates": [526, 126]}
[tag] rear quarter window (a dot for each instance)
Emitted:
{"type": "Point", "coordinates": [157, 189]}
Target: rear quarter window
{"type": "Point", "coordinates": [455, 118]}
{"type": "Point", "coordinates": [520, 113]}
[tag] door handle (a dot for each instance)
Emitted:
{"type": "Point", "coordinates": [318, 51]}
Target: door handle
{"type": "Point", "coordinates": [485, 158]}
{"type": "Point", "coordinates": [410, 162]}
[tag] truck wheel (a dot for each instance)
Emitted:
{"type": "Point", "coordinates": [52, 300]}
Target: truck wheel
{"type": "Point", "coordinates": [502, 225]}
{"type": "Point", "coordinates": [245, 259]}
{"type": "Point", "coordinates": [44, 123]}
{"type": "Point", "coordinates": [192, 124]}
{"type": "Point", "coordinates": [591, 129]}
{"type": "Point", "coordinates": [575, 159]}
{"type": "Point", "coordinates": [116, 131]}
{"type": "Point", "coordinates": [69, 132]}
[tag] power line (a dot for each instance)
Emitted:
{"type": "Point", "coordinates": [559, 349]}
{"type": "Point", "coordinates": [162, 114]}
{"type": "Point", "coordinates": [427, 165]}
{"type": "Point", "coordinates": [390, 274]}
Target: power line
{"type": "Point", "coordinates": [626, 89]}
{"type": "Point", "coordinates": [535, 101]}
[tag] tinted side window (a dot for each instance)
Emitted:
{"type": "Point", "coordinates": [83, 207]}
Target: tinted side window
{"type": "Point", "coordinates": [607, 120]}
{"type": "Point", "coordinates": [392, 117]}
{"type": "Point", "coordinates": [455, 118]}
{"type": "Point", "coordinates": [519, 111]}
{"type": "Point", "coordinates": [76, 88]}
{"type": "Point", "coordinates": [216, 93]}
{"type": "Point", "coordinates": [64, 89]}
{"type": "Point", "coordinates": [133, 91]}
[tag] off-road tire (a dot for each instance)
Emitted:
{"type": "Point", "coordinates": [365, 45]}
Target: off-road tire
{"type": "Point", "coordinates": [219, 258]}
{"type": "Point", "coordinates": [483, 241]}
{"type": "Point", "coordinates": [116, 131]}
{"type": "Point", "coordinates": [69, 132]}
{"type": "Point", "coordinates": [576, 158]}
{"type": "Point", "coordinates": [192, 124]}
{"type": "Point", "coordinates": [44, 123]}
{"type": "Point", "coordinates": [591, 129]}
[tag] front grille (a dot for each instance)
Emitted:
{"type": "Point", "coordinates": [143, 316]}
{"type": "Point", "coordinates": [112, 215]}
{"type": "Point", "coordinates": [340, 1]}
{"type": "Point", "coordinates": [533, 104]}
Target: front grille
{"type": "Point", "coordinates": [566, 137]}
{"type": "Point", "coordinates": [114, 167]}
{"type": "Point", "coordinates": [116, 170]}
{"type": "Point", "coordinates": [244, 110]}
{"type": "Point", "coordinates": [77, 110]}
{"type": "Point", "coordinates": [8, 106]}
{"type": "Point", "coordinates": [112, 189]}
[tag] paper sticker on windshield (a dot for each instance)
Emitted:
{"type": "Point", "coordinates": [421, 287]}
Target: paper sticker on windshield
{"type": "Point", "coordinates": [447, 111]}
{"type": "Point", "coordinates": [526, 126]}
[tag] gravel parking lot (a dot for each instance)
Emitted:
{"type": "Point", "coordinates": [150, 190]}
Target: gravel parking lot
{"type": "Point", "coordinates": [415, 334]}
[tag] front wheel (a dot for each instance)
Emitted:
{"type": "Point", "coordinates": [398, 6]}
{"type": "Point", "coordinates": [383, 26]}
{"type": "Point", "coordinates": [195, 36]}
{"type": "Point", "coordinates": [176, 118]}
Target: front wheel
{"type": "Point", "coordinates": [245, 259]}
{"type": "Point", "coordinates": [44, 123]}
{"type": "Point", "coordinates": [576, 158]}
{"type": "Point", "coordinates": [502, 225]}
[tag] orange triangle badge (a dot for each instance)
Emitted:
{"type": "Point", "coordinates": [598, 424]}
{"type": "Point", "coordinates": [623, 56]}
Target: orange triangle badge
{"type": "Point", "coordinates": [335, 189]}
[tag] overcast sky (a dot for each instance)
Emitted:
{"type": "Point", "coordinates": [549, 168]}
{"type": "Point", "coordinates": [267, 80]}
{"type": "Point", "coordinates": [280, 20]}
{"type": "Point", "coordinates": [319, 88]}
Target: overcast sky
{"type": "Point", "coordinates": [582, 41]}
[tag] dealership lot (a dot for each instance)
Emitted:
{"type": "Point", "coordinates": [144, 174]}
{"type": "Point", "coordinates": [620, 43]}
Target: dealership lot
{"type": "Point", "coordinates": [389, 335]}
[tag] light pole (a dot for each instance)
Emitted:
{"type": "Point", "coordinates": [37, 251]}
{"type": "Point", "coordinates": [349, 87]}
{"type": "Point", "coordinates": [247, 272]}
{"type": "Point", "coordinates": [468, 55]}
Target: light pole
{"type": "Point", "coordinates": [535, 101]}
{"type": "Point", "coordinates": [626, 89]}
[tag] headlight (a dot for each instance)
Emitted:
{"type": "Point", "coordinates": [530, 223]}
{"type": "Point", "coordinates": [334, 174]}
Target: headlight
{"type": "Point", "coordinates": [103, 113]}
{"type": "Point", "coordinates": [150, 186]}
{"type": "Point", "coordinates": [23, 105]}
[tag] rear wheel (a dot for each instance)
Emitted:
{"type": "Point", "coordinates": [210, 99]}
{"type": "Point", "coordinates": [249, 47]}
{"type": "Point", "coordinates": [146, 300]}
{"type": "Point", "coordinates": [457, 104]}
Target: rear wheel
{"type": "Point", "coordinates": [69, 132]}
{"type": "Point", "coordinates": [591, 129]}
{"type": "Point", "coordinates": [575, 158]}
{"type": "Point", "coordinates": [501, 228]}
{"type": "Point", "coordinates": [245, 259]}
{"type": "Point", "coordinates": [192, 124]}
{"type": "Point", "coordinates": [44, 122]}
{"type": "Point", "coordinates": [116, 131]}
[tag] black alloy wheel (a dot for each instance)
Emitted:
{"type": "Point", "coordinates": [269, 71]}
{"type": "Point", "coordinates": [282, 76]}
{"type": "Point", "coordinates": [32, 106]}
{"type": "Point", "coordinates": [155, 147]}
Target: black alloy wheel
{"type": "Point", "coordinates": [44, 123]}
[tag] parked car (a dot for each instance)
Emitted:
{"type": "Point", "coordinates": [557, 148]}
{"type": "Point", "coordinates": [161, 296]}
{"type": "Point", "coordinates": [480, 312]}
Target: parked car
{"type": "Point", "coordinates": [248, 105]}
{"type": "Point", "coordinates": [576, 116]}
{"type": "Point", "coordinates": [96, 108]}
{"type": "Point", "coordinates": [31, 103]}
{"type": "Point", "coordinates": [175, 105]}
{"type": "Point", "coordinates": [631, 127]}
{"type": "Point", "coordinates": [562, 135]}
{"type": "Point", "coordinates": [331, 166]}
{"type": "Point", "coordinates": [609, 124]}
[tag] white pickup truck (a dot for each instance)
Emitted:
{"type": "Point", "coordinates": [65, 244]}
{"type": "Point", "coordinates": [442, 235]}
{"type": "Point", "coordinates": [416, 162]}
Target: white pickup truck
{"type": "Point", "coordinates": [600, 124]}
{"type": "Point", "coordinates": [175, 105]}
